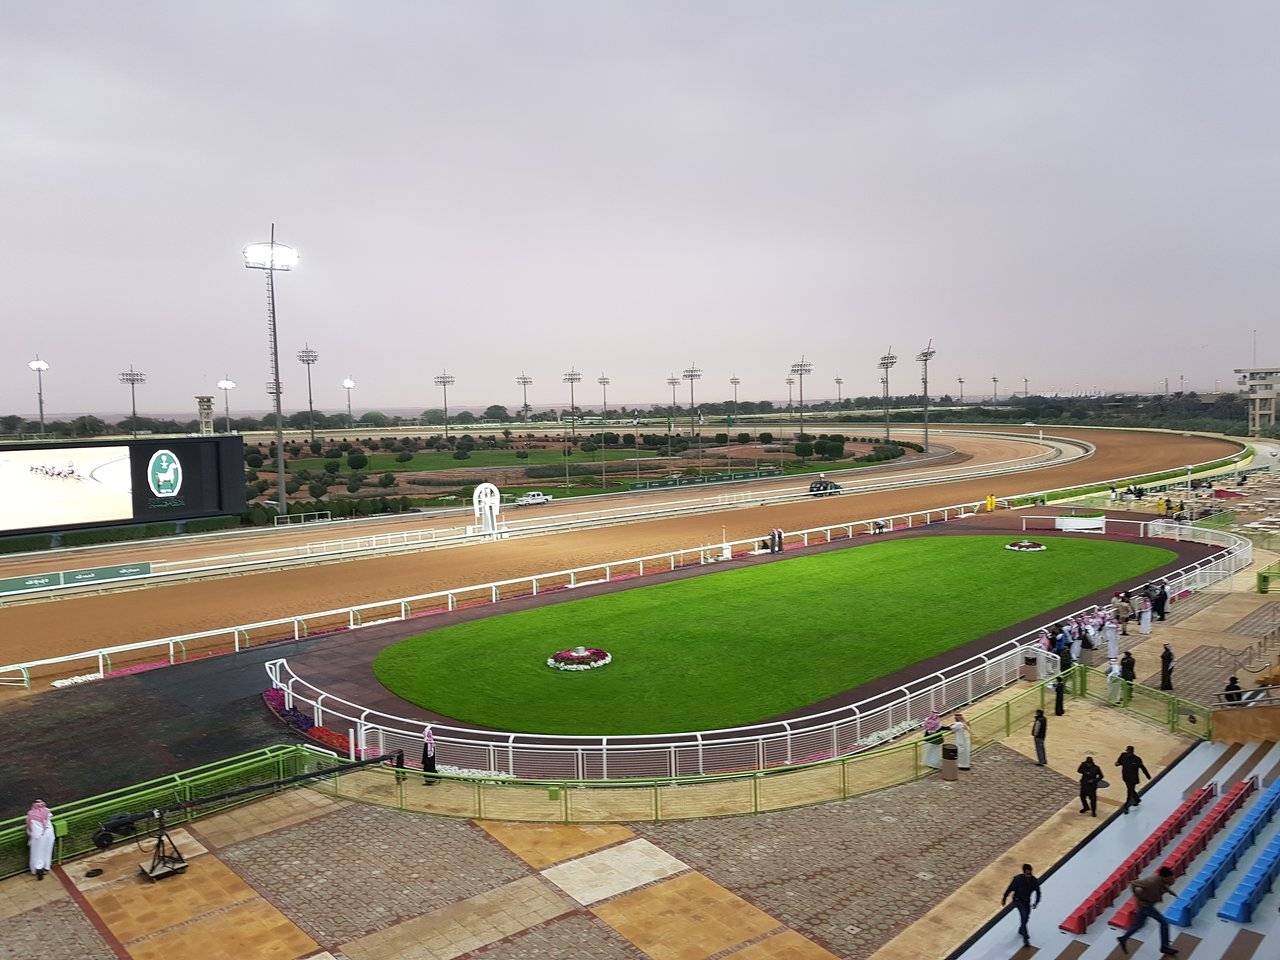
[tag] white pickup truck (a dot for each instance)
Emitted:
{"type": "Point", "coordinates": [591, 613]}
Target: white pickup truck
{"type": "Point", "coordinates": [533, 498]}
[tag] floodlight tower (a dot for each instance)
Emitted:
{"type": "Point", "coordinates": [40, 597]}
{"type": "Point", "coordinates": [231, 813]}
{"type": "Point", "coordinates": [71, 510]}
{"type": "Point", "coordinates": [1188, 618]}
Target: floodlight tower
{"type": "Point", "coordinates": [995, 389]}
{"type": "Point", "coordinates": [924, 356]}
{"type": "Point", "coordinates": [604, 391]}
{"type": "Point", "coordinates": [270, 257]}
{"type": "Point", "coordinates": [960, 380]}
{"type": "Point", "coordinates": [571, 377]}
{"type": "Point", "coordinates": [308, 358]}
{"type": "Point", "coordinates": [525, 382]}
{"type": "Point", "coordinates": [691, 373]}
{"type": "Point", "coordinates": [734, 382]}
{"type": "Point", "coordinates": [444, 380]}
{"type": "Point", "coordinates": [38, 367]}
{"type": "Point", "coordinates": [839, 390]}
{"type": "Point", "coordinates": [226, 385]}
{"type": "Point", "coordinates": [133, 377]}
{"type": "Point", "coordinates": [886, 364]}
{"type": "Point", "coordinates": [672, 381]}
{"type": "Point", "coordinates": [801, 369]}
{"type": "Point", "coordinates": [348, 385]}
{"type": "Point", "coordinates": [791, 404]}
{"type": "Point", "coordinates": [1026, 390]}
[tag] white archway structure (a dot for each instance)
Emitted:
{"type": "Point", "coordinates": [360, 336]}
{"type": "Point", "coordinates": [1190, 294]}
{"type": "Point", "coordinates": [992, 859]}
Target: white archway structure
{"type": "Point", "coordinates": [487, 504]}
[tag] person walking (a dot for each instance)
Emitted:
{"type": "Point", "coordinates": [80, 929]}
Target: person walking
{"type": "Point", "coordinates": [428, 757]}
{"type": "Point", "coordinates": [1129, 674]}
{"type": "Point", "coordinates": [1166, 668]}
{"type": "Point", "coordinates": [1149, 891]}
{"type": "Point", "coordinates": [1039, 728]}
{"type": "Point", "coordinates": [1123, 611]}
{"type": "Point", "coordinates": [1115, 684]}
{"type": "Point", "coordinates": [1131, 766]}
{"type": "Point", "coordinates": [40, 839]}
{"type": "Point", "coordinates": [1144, 616]}
{"type": "Point", "coordinates": [1090, 780]}
{"type": "Point", "coordinates": [1111, 633]}
{"type": "Point", "coordinates": [1059, 691]}
{"type": "Point", "coordinates": [1022, 888]}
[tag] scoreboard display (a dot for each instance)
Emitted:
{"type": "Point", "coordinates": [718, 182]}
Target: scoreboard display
{"type": "Point", "coordinates": [61, 486]}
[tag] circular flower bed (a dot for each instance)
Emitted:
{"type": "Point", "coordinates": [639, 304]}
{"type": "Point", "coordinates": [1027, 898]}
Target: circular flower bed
{"type": "Point", "coordinates": [580, 658]}
{"type": "Point", "coordinates": [1025, 546]}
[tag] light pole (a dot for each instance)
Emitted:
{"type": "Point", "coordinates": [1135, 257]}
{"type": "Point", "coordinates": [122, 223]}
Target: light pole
{"type": "Point", "coordinates": [571, 377]}
{"type": "Point", "coordinates": [270, 257]}
{"type": "Point", "coordinates": [691, 373]}
{"type": "Point", "coordinates": [133, 377]}
{"type": "Point", "coordinates": [38, 367]}
{"type": "Point", "coordinates": [791, 404]}
{"type": "Point", "coordinates": [1026, 390]}
{"type": "Point", "coordinates": [924, 356]}
{"type": "Point", "coordinates": [672, 381]}
{"type": "Point", "coordinates": [839, 390]}
{"type": "Point", "coordinates": [444, 381]}
{"type": "Point", "coordinates": [525, 382]}
{"type": "Point", "coordinates": [800, 369]}
{"type": "Point", "coordinates": [960, 380]}
{"type": "Point", "coordinates": [995, 389]}
{"type": "Point", "coordinates": [308, 357]}
{"type": "Point", "coordinates": [226, 385]}
{"type": "Point", "coordinates": [604, 392]}
{"type": "Point", "coordinates": [348, 385]}
{"type": "Point", "coordinates": [734, 382]}
{"type": "Point", "coordinates": [886, 364]}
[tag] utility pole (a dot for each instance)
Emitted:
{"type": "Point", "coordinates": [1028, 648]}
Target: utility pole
{"type": "Point", "coordinates": [924, 356]}
{"type": "Point", "coordinates": [886, 364]}
{"type": "Point", "coordinates": [525, 383]}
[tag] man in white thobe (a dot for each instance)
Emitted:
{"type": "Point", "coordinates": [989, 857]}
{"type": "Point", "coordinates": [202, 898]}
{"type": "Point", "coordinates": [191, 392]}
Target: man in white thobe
{"type": "Point", "coordinates": [40, 839]}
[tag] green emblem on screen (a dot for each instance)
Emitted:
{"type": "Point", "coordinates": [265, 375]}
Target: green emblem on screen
{"type": "Point", "coordinates": [164, 474]}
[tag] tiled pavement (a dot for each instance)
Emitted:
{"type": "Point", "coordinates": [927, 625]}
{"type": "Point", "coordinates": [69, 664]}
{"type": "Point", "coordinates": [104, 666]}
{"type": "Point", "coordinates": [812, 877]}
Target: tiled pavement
{"type": "Point", "coordinates": [298, 874]}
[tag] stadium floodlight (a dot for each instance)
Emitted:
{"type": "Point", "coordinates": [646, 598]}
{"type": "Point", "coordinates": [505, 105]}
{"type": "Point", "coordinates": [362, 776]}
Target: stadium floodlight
{"type": "Point", "coordinates": [604, 393]}
{"type": "Point", "coordinates": [38, 367]}
{"type": "Point", "coordinates": [444, 381]}
{"type": "Point", "coordinates": [525, 382]}
{"type": "Point", "coordinates": [691, 373]}
{"type": "Point", "coordinates": [672, 381]}
{"type": "Point", "coordinates": [226, 385]}
{"type": "Point", "coordinates": [572, 377]}
{"type": "Point", "coordinates": [886, 363]}
{"type": "Point", "coordinates": [995, 388]}
{"type": "Point", "coordinates": [133, 377]}
{"type": "Point", "coordinates": [1026, 389]}
{"type": "Point", "coordinates": [839, 390]}
{"type": "Point", "coordinates": [734, 382]}
{"type": "Point", "coordinates": [960, 380]}
{"type": "Point", "coordinates": [801, 369]}
{"type": "Point", "coordinates": [348, 385]}
{"type": "Point", "coordinates": [308, 358]}
{"type": "Point", "coordinates": [270, 257]}
{"type": "Point", "coordinates": [924, 356]}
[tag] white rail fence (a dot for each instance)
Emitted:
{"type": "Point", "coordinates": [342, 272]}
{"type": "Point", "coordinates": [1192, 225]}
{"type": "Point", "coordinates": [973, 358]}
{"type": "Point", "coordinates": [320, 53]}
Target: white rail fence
{"type": "Point", "coordinates": [831, 733]}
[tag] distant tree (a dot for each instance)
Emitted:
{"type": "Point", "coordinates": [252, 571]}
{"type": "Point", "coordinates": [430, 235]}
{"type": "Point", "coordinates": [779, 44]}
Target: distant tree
{"type": "Point", "coordinates": [766, 437]}
{"type": "Point", "coordinates": [10, 423]}
{"type": "Point", "coordinates": [87, 427]}
{"type": "Point", "coordinates": [522, 454]}
{"type": "Point", "coordinates": [835, 449]}
{"type": "Point", "coordinates": [316, 446]}
{"type": "Point", "coordinates": [404, 456]}
{"type": "Point", "coordinates": [462, 453]}
{"type": "Point", "coordinates": [466, 416]}
{"type": "Point", "coordinates": [253, 458]}
{"type": "Point", "coordinates": [357, 460]}
{"type": "Point", "coordinates": [387, 480]}
{"type": "Point", "coordinates": [432, 417]}
{"type": "Point", "coordinates": [496, 412]}
{"type": "Point", "coordinates": [804, 449]}
{"type": "Point", "coordinates": [353, 486]}
{"type": "Point", "coordinates": [332, 466]}
{"type": "Point", "coordinates": [744, 438]}
{"type": "Point", "coordinates": [588, 446]}
{"type": "Point", "coordinates": [375, 418]}
{"type": "Point", "coordinates": [506, 434]}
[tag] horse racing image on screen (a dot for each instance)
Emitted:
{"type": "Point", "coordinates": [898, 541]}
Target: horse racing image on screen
{"type": "Point", "coordinates": [64, 486]}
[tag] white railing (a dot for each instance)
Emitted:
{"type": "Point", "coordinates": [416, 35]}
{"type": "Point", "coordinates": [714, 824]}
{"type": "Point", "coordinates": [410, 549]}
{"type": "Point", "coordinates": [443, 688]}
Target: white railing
{"type": "Point", "coordinates": [292, 519]}
{"type": "Point", "coordinates": [837, 732]}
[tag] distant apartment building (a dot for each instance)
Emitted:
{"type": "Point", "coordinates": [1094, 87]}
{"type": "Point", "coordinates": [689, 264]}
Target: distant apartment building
{"type": "Point", "coordinates": [1261, 387]}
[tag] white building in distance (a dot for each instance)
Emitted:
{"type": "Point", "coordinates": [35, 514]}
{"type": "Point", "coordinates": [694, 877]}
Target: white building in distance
{"type": "Point", "coordinates": [1261, 385]}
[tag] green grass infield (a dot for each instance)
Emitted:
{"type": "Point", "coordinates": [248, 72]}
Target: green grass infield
{"type": "Point", "coordinates": [738, 646]}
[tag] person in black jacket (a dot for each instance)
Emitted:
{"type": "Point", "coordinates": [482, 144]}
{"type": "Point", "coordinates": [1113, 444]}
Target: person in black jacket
{"type": "Point", "coordinates": [1039, 729]}
{"type": "Point", "coordinates": [1022, 887]}
{"type": "Point", "coordinates": [1160, 602]}
{"type": "Point", "coordinates": [1059, 691]}
{"type": "Point", "coordinates": [1129, 674]}
{"type": "Point", "coordinates": [1166, 668]}
{"type": "Point", "coordinates": [1131, 766]}
{"type": "Point", "coordinates": [1090, 777]}
{"type": "Point", "coordinates": [1231, 691]}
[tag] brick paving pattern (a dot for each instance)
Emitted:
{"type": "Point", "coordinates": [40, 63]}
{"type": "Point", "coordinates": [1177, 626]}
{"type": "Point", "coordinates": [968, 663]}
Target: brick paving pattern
{"type": "Point", "coordinates": [1259, 623]}
{"type": "Point", "coordinates": [360, 869]}
{"type": "Point", "coordinates": [851, 874]}
{"type": "Point", "coordinates": [577, 936]}
{"type": "Point", "coordinates": [1188, 607]}
{"type": "Point", "coordinates": [56, 931]}
{"type": "Point", "coordinates": [1199, 674]}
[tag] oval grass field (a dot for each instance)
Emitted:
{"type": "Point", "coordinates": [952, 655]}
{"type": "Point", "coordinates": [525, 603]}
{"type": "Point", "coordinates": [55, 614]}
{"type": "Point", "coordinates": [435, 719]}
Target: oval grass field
{"type": "Point", "coordinates": [739, 646]}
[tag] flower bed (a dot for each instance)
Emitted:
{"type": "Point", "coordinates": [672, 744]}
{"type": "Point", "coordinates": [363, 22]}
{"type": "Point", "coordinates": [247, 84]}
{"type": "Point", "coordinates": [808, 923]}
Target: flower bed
{"type": "Point", "coordinates": [579, 658]}
{"type": "Point", "coordinates": [1025, 546]}
{"type": "Point", "coordinates": [299, 721]}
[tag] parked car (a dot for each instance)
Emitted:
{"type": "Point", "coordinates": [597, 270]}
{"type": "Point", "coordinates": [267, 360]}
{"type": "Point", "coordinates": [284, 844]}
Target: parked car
{"type": "Point", "coordinates": [533, 498]}
{"type": "Point", "coordinates": [822, 487]}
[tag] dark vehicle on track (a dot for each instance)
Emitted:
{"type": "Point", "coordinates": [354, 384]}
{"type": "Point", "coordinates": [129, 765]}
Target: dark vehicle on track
{"type": "Point", "coordinates": [822, 487]}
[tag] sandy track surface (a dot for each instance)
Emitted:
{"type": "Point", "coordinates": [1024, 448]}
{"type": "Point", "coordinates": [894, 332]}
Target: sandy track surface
{"type": "Point", "coordinates": [966, 451]}
{"type": "Point", "coordinates": [53, 628]}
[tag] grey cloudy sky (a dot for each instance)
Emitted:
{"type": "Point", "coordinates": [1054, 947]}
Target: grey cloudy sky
{"type": "Point", "coordinates": [1083, 194]}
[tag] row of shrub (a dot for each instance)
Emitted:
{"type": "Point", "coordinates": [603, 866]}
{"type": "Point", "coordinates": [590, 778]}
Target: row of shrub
{"type": "Point", "coordinates": [144, 531]}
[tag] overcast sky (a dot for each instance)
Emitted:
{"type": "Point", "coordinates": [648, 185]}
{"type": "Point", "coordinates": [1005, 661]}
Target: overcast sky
{"type": "Point", "coordinates": [1084, 194]}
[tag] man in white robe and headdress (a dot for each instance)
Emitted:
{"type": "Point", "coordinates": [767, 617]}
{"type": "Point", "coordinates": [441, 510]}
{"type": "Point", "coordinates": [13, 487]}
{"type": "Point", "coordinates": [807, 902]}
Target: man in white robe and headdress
{"type": "Point", "coordinates": [1111, 631]}
{"type": "Point", "coordinates": [40, 839]}
{"type": "Point", "coordinates": [960, 731]}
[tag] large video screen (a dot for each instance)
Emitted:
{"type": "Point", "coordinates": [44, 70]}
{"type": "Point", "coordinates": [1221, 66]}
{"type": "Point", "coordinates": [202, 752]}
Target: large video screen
{"type": "Point", "coordinates": [60, 486]}
{"type": "Point", "coordinates": [65, 486]}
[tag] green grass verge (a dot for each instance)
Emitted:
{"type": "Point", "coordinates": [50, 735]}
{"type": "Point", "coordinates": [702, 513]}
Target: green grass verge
{"type": "Point", "coordinates": [738, 646]}
{"type": "Point", "coordinates": [436, 460]}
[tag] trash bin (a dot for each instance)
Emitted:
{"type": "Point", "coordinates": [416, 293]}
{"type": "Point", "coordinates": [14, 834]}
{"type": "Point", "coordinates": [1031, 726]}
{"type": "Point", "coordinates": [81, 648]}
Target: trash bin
{"type": "Point", "coordinates": [950, 754]}
{"type": "Point", "coordinates": [1029, 669]}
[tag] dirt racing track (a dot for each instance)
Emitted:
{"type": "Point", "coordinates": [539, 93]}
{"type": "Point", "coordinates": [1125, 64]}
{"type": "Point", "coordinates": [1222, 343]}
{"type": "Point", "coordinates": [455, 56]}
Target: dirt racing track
{"type": "Point", "coordinates": [47, 629]}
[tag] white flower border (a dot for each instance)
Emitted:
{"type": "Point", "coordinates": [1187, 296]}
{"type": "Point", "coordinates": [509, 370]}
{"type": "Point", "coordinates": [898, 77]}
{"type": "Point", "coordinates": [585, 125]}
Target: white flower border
{"type": "Point", "coordinates": [1017, 549]}
{"type": "Point", "coordinates": [551, 662]}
